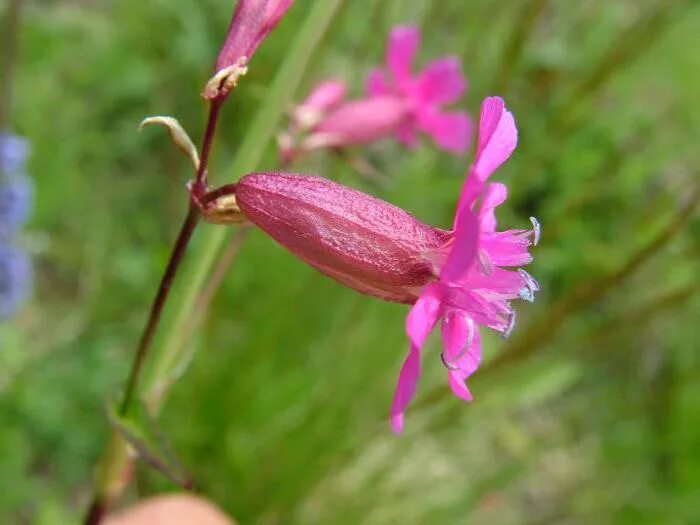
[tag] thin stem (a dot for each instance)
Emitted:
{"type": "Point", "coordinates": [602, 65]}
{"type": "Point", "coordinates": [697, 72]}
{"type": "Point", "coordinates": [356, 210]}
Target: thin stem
{"type": "Point", "coordinates": [181, 243]}
{"type": "Point", "coordinates": [170, 354]}
{"type": "Point", "coordinates": [109, 483]}
{"type": "Point", "coordinates": [96, 512]}
{"type": "Point", "coordinates": [183, 239]}
{"type": "Point", "coordinates": [226, 189]}
{"type": "Point", "coordinates": [201, 181]}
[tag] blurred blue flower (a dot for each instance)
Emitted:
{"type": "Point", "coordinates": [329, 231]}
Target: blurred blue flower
{"type": "Point", "coordinates": [16, 199]}
{"type": "Point", "coordinates": [15, 279]}
{"type": "Point", "coordinates": [14, 151]}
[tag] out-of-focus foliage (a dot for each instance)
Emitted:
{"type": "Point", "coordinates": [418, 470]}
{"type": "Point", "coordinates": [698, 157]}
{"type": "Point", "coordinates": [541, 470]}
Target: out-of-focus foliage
{"type": "Point", "coordinates": [588, 414]}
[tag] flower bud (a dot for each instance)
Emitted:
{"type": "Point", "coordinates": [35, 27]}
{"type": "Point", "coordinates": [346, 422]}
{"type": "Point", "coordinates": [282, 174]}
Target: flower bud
{"type": "Point", "coordinates": [358, 240]}
{"type": "Point", "coordinates": [252, 21]}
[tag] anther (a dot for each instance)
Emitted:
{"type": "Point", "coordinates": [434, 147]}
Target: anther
{"type": "Point", "coordinates": [536, 231]}
{"type": "Point", "coordinates": [530, 280]}
{"type": "Point", "coordinates": [526, 294]}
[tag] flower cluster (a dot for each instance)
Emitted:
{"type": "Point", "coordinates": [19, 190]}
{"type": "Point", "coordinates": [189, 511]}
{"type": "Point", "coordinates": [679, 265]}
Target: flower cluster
{"type": "Point", "coordinates": [398, 103]}
{"type": "Point", "coordinates": [466, 276]}
{"type": "Point", "coordinates": [16, 196]}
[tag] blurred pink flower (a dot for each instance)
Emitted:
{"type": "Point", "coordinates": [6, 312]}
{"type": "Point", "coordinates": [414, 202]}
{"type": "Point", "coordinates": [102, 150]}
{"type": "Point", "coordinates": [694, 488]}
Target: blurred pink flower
{"type": "Point", "coordinates": [440, 83]}
{"type": "Point", "coordinates": [397, 104]}
{"type": "Point", "coordinates": [329, 122]}
{"type": "Point", "coordinates": [323, 98]}
{"type": "Point", "coordinates": [473, 287]}
{"type": "Point", "coordinates": [466, 276]}
{"type": "Point", "coordinates": [358, 122]}
{"type": "Point", "coordinates": [252, 21]}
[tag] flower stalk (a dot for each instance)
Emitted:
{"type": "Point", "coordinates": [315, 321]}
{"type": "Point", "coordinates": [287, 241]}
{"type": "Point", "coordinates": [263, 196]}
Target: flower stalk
{"type": "Point", "coordinates": [114, 465]}
{"type": "Point", "coordinates": [173, 351]}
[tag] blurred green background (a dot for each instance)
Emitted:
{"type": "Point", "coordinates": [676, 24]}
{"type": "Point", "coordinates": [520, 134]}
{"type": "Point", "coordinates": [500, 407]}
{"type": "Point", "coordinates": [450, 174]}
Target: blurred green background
{"type": "Point", "coordinates": [588, 414]}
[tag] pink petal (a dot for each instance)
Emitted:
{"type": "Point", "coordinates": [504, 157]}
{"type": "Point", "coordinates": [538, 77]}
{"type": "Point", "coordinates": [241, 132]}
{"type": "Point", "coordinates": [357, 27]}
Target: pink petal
{"type": "Point", "coordinates": [506, 283]}
{"type": "Point", "coordinates": [442, 81]}
{"type": "Point", "coordinates": [508, 248]}
{"type": "Point", "coordinates": [252, 21]}
{"type": "Point", "coordinates": [377, 84]}
{"type": "Point", "coordinates": [498, 137]}
{"type": "Point", "coordinates": [422, 317]}
{"type": "Point", "coordinates": [466, 366]}
{"type": "Point", "coordinates": [362, 121]}
{"type": "Point", "coordinates": [458, 331]}
{"type": "Point", "coordinates": [495, 194]}
{"type": "Point", "coordinates": [464, 246]}
{"type": "Point", "coordinates": [276, 10]}
{"type": "Point", "coordinates": [484, 306]}
{"type": "Point", "coordinates": [405, 389]}
{"type": "Point", "coordinates": [325, 95]}
{"type": "Point", "coordinates": [458, 386]}
{"type": "Point", "coordinates": [420, 321]}
{"type": "Point", "coordinates": [403, 44]}
{"type": "Point", "coordinates": [451, 131]}
{"type": "Point", "coordinates": [470, 191]}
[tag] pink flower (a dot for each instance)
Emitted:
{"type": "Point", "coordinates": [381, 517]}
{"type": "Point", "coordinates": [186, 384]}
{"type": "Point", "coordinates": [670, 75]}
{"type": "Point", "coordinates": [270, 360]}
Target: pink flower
{"type": "Point", "coordinates": [466, 276]}
{"type": "Point", "coordinates": [359, 122]}
{"type": "Point", "coordinates": [337, 124]}
{"type": "Point", "coordinates": [252, 21]}
{"type": "Point", "coordinates": [474, 285]}
{"type": "Point", "coordinates": [398, 104]}
{"type": "Point", "coordinates": [325, 97]}
{"type": "Point", "coordinates": [322, 99]}
{"type": "Point", "coordinates": [340, 124]}
{"type": "Point", "coordinates": [439, 84]}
